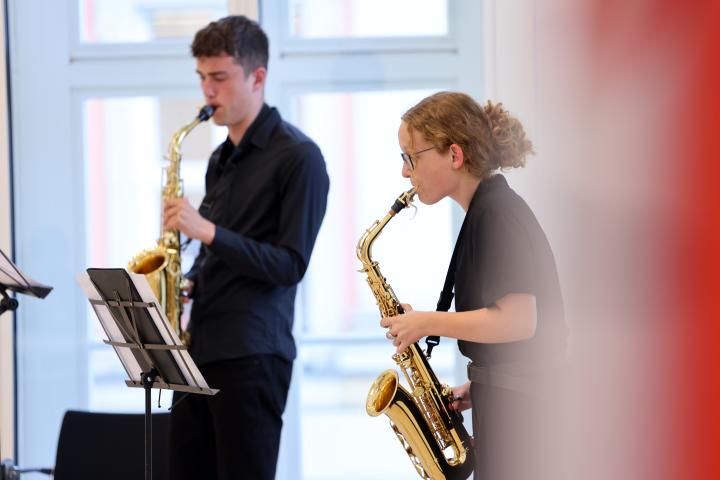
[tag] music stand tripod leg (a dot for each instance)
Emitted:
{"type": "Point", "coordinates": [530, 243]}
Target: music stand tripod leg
{"type": "Point", "coordinates": [148, 379]}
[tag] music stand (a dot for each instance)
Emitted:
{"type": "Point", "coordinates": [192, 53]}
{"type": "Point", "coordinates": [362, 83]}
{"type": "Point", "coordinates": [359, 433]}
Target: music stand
{"type": "Point", "coordinates": [11, 278]}
{"type": "Point", "coordinates": [148, 347]}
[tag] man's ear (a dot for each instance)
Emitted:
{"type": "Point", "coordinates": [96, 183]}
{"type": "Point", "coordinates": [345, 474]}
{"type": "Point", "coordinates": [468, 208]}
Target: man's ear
{"type": "Point", "coordinates": [457, 155]}
{"type": "Point", "coordinates": [260, 77]}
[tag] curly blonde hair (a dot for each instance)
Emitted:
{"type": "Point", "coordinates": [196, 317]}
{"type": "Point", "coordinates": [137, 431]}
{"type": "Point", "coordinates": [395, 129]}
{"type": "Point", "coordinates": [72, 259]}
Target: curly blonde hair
{"type": "Point", "coordinates": [489, 136]}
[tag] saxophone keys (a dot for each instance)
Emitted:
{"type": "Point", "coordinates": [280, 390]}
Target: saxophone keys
{"type": "Point", "coordinates": [446, 391]}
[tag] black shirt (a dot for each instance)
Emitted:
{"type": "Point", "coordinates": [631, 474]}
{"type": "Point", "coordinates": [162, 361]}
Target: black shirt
{"type": "Point", "coordinates": [504, 250]}
{"type": "Point", "coordinates": [267, 198]}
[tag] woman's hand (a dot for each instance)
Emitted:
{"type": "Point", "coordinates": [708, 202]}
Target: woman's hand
{"type": "Point", "coordinates": [462, 401]}
{"type": "Point", "coordinates": [407, 328]}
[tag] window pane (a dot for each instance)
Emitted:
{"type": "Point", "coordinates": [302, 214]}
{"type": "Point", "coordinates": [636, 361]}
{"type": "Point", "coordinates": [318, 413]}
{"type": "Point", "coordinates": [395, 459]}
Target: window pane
{"type": "Point", "coordinates": [368, 18]}
{"type": "Point", "coordinates": [145, 20]}
{"type": "Point", "coordinates": [125, 140]}
{"type": "Point", "coordinates": [357, 133]}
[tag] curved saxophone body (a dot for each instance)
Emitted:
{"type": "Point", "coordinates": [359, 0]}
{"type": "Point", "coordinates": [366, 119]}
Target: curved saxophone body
{"type": "Point", "coordinates": [433, 435]}
{"type": "Point", "coordinates": [162, 264]}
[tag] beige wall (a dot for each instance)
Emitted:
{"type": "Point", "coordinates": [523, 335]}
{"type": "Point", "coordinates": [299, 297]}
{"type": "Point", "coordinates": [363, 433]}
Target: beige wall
{"type": "Point", "coordinates": [6, 344]}
{"type": "Point", "coordinates": [510, 77]}
{"type": "Point", "coordinates": [510, 60]}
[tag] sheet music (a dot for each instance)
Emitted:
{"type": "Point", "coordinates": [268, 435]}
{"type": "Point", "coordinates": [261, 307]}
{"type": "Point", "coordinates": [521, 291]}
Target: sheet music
{"type": "Point", "coordinates": [111, 329]}
{"type": "Point", "coordinates": [8, 271]}
{"type": "Point", "coordinates": [6, 279]}
{"type": "Point", "coordinates": [182, 357]}
{"type": "Point", "coordinates": [14, 279]}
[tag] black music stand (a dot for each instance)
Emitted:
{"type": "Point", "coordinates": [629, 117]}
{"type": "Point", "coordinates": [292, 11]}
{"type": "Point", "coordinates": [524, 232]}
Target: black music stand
{"type": "Point", "coordinates": [14, 280]}
{"type": "Point", "coordinates": [11, 278]}
{"type": "Point", "coordinates": [137, 328]}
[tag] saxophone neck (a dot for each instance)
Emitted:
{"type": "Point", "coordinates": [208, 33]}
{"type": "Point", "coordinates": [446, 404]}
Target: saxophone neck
{"type": "Point", "coordinates": [178, 137]}
{"type": "Point", "coordinates": [364, 245]}
{"type": "Point", "coordinates": [172, 187]}
{"type": "Point", "coordinates": [174, 149]}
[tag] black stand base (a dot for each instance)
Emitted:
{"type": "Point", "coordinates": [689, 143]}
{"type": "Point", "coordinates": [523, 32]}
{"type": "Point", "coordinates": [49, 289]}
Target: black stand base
{"type": "Point", "coordinates": [9, 471]}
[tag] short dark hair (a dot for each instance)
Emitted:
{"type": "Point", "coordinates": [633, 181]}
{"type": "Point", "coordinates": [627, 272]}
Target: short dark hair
{"type": "Point", "coordinates": [234, 35]}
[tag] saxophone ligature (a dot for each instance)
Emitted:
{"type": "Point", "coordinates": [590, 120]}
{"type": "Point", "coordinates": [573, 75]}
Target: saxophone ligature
{"type": "Point", "coordinates": [432, 434]}
{"type": "Point", "coordinates": [161, 265]}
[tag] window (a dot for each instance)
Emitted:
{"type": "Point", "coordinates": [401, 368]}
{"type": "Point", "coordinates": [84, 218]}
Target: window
{"type": "Point", "coordinates": [131, 21]}
{"type": "Point", "coordinates": [368, 18]}
{"type": "Point", "coordinates": [125, 82]}
{"type": "Point", "coordinates": [342, 347]}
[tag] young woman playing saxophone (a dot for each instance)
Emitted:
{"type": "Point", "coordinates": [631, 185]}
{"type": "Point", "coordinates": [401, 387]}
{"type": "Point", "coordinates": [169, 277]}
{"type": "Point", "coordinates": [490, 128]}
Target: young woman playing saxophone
{"type": "Point", "coordinates": [509, 317]}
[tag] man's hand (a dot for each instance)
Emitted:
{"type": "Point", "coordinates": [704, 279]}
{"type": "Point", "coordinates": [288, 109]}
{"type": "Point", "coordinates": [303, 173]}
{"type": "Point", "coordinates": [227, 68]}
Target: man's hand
{"type": "Point", "coordinates": [187, 287]}
{"type": "Point", "coordinates": [180, 215]}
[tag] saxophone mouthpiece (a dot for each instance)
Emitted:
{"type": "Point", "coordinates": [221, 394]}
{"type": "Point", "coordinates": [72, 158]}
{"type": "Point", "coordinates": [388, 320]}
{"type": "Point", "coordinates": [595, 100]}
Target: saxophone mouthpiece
{"type": "Point", "coordinates": [404, 200]}
{"type": "Point", "coordinates": [206, 112]}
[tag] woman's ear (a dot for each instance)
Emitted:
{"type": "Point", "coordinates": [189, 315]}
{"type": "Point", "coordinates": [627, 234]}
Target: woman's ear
{"type": "Point", "coordinates": [458, 158]}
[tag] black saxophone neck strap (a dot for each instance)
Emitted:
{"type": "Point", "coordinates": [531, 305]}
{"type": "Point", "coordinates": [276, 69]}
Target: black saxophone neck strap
{"type": "Point", "coordinates": [447, 295]}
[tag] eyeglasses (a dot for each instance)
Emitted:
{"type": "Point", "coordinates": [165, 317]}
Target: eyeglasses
{"type": "Point", "coordinates": [407, 158]}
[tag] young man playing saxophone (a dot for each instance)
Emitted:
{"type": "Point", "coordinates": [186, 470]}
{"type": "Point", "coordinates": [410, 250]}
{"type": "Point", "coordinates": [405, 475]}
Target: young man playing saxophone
{"type": "Point", "coordinates": [266, 194]}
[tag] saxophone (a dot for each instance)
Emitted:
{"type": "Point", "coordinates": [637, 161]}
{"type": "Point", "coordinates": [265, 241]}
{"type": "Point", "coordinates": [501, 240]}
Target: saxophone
{"type": "Point", "coordinates": [431, 433]}
{"type": "Point", "coordinates": [161, 264]}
